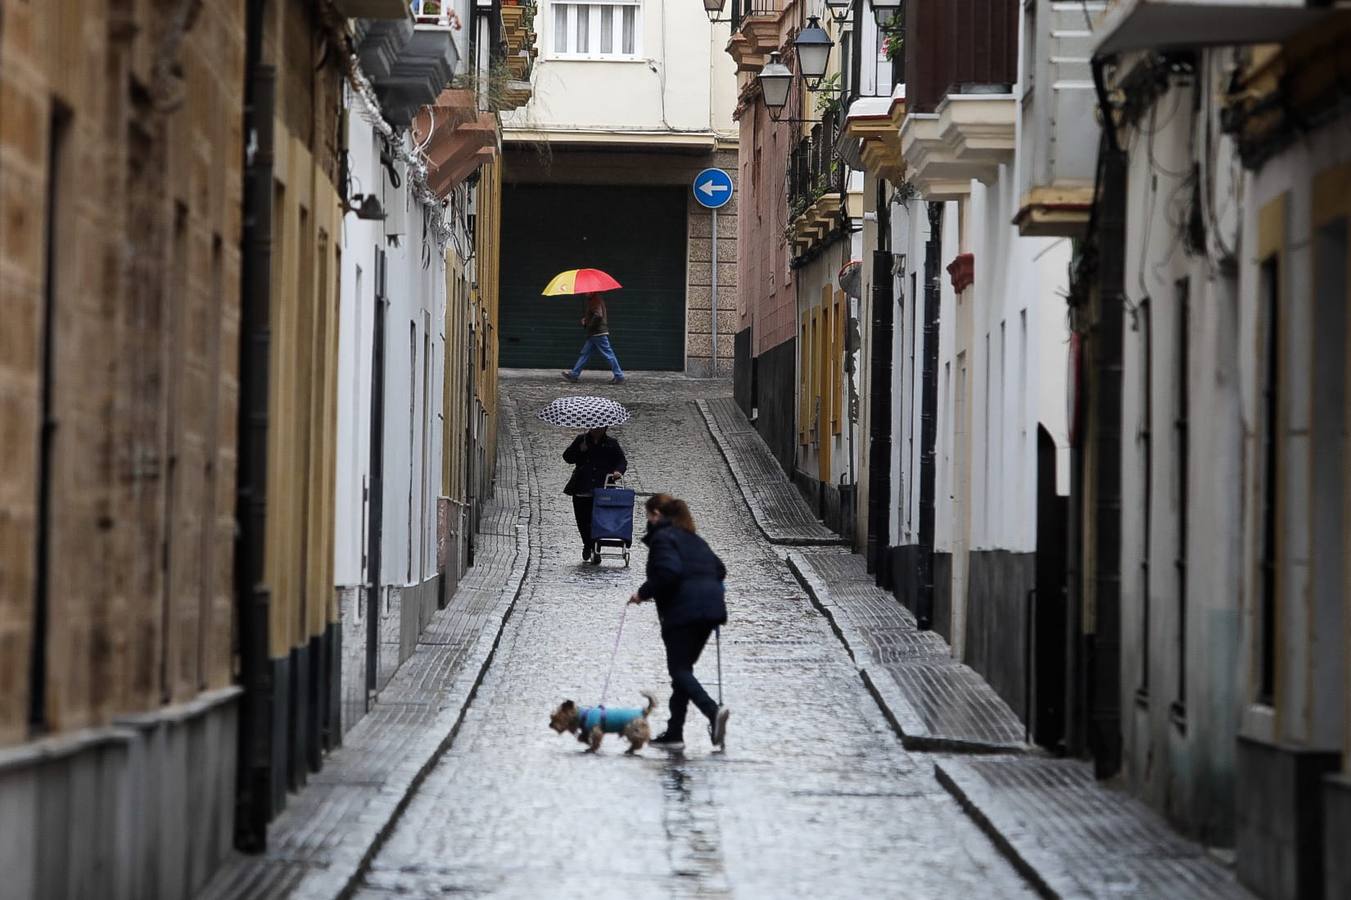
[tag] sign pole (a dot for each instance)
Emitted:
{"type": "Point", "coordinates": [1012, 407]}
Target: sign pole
{"type": "Point", "coordinates": [715, 293]}
{"type": "Point", "coordinates": [713, 188]}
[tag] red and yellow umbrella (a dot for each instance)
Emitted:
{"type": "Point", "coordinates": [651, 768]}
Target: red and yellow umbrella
{"type": "Point", "coordinates": [580, 281]}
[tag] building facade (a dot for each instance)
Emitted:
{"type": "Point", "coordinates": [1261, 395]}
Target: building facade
{"type": "Point", "coordinates": [1235, 651]}
{"type": "Point", "coordinates": [766, 343]}
{"type": "Point", "coordinates": [1101, 361]}
{"type": "Point", "coordinates": [120, 264]}
{"type": "Point", "coordinates": [188, 391]}
{"type": "Point", "coordinates": [417, 371]}
{"type": "Point", "coordinates": [630, 102]}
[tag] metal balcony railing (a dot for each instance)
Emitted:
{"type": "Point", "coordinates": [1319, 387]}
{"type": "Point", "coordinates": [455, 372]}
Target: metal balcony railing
{"type": "Point", "coordinates": [813, 168]}
{"type": "Point", "coordinates": [743, 9]}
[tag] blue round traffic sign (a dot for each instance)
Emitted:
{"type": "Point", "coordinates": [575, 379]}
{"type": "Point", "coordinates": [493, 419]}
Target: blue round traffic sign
{"type": "Point", "coordinates": [713, 188]}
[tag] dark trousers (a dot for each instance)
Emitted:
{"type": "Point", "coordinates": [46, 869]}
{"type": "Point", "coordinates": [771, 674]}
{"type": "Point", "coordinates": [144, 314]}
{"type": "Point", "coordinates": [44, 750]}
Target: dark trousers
{"type": "Point", "coordinates": [684, 643]}
{"type": "Point", "coordinates": [581, 508]}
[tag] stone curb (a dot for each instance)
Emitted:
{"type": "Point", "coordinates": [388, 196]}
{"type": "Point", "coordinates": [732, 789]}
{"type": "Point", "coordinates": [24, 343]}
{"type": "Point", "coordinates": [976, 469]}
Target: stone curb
{"type": "Point", "coordinates": [1068, 845]}
{"type": "Point", "coordinates": [347, 863]}
{"type": "Point", "coordinates": [762, 520]}
{"type": "Point", "coordinates": [895, 707]}
{"type": "Point", "coordinates": [475, 668]}
{"type": "Point", "coordinates": [970, 793]}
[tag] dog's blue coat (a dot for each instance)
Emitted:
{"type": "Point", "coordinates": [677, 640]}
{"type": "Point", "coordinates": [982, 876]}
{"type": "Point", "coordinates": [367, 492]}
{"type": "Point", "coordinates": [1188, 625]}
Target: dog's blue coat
{"type": "Point", "coordinates": [611, 721]}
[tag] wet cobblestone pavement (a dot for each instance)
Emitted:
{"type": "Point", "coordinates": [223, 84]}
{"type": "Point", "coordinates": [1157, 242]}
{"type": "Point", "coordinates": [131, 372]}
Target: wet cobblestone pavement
{"type": "Point", "coordinates": [814, 795]}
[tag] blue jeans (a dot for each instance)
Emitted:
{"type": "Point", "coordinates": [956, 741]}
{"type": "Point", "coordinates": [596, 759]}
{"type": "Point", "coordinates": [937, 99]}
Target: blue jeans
{"type": "Point", "coordinates": [598, 343]}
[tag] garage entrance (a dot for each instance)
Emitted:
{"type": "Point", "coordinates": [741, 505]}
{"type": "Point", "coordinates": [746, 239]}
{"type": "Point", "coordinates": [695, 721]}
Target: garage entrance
{"type": "Point", "coordinates": [637, 234]}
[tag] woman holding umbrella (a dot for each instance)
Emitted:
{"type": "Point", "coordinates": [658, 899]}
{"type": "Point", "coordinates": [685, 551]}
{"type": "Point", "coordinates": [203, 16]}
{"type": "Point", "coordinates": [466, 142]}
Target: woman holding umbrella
{"type": "Point", "coordinates": [596, 320]}
{"type": "Point", "coordinates": [594, 455]}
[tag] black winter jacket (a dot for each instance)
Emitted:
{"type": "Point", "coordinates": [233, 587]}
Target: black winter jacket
{"type": "Point", "coordinates": [593, 462]}
{"type": "Point", "coordinates": [684, 576]}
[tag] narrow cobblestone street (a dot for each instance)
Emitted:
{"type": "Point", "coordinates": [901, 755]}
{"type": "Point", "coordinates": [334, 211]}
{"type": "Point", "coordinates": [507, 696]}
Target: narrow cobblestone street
{"type": "Point", "coordinates": [814, 796]}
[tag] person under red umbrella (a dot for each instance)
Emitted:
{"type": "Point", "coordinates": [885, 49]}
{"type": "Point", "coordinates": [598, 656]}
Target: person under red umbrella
{"type": "Point", "coordinates": [597, 324]}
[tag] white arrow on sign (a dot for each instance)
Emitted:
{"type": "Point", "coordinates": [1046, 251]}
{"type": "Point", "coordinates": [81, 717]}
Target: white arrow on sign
{"type": "Point", "coordinates": [708, 187]}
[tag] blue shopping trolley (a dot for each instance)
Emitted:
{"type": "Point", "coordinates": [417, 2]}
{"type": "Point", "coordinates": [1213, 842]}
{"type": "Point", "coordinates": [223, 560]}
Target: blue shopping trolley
{"type": "Point", "coordinates": [612, 518]}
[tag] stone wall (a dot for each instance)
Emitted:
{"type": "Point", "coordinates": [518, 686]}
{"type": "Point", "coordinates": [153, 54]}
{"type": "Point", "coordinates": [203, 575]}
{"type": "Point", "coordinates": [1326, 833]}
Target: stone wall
{"type": "Point", "coordinates": [699, 288]}
{"type": "Point", "coordinates": [119, 259]}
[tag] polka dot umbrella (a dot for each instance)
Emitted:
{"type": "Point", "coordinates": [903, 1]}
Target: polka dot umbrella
{"type": "Point", "coordinates": [583, 412]}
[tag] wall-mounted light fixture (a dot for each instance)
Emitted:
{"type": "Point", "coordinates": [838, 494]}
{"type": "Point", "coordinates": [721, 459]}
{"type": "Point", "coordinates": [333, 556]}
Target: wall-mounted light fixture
{"type": "Point", "coordinates": [714, 9]}
{"type": "Point", "coordinates": [884, 10]}
{"type": "Point", "coordinates": [813, 52]}
{"type": "Point", "coordinates": [840, 9]}
{"type": "Point", "coordinates": [775, 80]}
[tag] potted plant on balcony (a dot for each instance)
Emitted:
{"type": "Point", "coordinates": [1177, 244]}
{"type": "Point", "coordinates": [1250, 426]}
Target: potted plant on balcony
{"type": "Point", "coordinates": [528, 22]}
{"type": "Point", "coordinates": [828, 99]}
{"type": "Point", "coordinates": [893, 39]}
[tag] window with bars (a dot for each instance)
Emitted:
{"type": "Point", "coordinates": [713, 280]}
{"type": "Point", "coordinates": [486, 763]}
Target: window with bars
{"type": "Point", "coordinates": [608, 29]}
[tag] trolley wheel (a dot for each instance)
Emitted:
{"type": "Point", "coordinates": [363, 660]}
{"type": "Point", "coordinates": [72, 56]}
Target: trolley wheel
{"type": "Point", "coordinates": [626, 559]}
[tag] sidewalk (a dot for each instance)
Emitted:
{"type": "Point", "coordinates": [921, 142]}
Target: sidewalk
{"type": "Point", "coordinates": [1069, 834]}
{"type": "Point", "coordinates": [1072, 836]}
{"type": "Point", "coordinates": [934, 701]}
{"type": "Point", "coordinates": [778, 509]}
{"type": "Point", "coordinates": [330, 829]}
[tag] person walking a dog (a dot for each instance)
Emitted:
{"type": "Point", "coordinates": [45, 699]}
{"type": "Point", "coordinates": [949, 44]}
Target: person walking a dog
{"type": "Point", "coordinates": [685, 578]}
{"type": "Point", "coordinates": [595, 456]}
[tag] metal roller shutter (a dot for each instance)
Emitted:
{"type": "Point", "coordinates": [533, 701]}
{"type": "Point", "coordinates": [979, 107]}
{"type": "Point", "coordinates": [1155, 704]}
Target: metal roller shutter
{"type": "Point", "coordinates": [637, 234]}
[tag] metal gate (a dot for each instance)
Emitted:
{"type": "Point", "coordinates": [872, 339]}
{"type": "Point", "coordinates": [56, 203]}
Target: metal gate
{"type": "Point", "coordinates": [637, 234]}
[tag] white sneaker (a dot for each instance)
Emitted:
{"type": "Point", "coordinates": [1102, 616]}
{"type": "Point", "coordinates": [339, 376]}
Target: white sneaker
{"type": "Point", "coordinates": [718, 730]}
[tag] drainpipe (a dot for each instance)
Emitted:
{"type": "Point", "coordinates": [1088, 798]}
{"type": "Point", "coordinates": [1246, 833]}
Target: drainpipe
{"type": "Point", "coordinates": [376, 507]}
{"type": "Point", "coordinates": [933, 286]}
{"type": "Point", "coordinates": [253, 798]}
{"type": "Point", "coordinates": [856, 57]}
{"type": "Point", "coordinates": [879, 418]}
{"type": "Point", "coordinates": [1106, 349]}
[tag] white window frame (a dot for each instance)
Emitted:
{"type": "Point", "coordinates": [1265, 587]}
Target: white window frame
{"type": "Point", "coordinates": [571, 9]}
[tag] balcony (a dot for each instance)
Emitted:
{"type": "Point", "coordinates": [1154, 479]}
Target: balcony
{"type": "Point", "coordinates": [373, 9]}
{"type": "Point", "coordinates": [409, 59]}
{"type": "Point", "coordinates": [756, 30]}
{"type": "Point", "coordinates": [815, 186]}
{"type": "Point", "coordinates": [1059, 128]}
{"type": "Point", "coordinates": [518, 35]}
{"type": "Point", "coordinates": [1130, 25]}
{"type": "Point", "coordinates": [462, 137]}
{"type": "Point", "coordinates": [966, 139]}
{"type": "Point", "coordinates": [379, 42]}
{"type": "Point", "coordinates": [1281, 94]}
{"type": "Point", "coordinates": [954, 43]}
{"type": "Point", "coordinates": [875, 122]}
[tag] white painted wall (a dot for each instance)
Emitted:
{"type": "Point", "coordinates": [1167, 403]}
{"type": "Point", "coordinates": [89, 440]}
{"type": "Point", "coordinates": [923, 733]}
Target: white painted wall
{"type": "Point", "coordinates": [678, 80]}
{"type": "Point", "coordinates": [415, 360]}
{"type": "Point", "coordinates": [355, 350]}
{"type": "Point", "coordinates": [1017, 384]}
{"type": "Point", "coordinates": [1310, 690]}
{"type": "Point", "coordinates": [1020, 340]}
{"type": "Point", "coordinates": [1181, 589]}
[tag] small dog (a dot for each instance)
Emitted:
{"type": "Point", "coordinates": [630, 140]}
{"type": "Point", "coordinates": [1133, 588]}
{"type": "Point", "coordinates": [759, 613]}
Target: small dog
{"type": "Point", "coordinates": [592, 723]}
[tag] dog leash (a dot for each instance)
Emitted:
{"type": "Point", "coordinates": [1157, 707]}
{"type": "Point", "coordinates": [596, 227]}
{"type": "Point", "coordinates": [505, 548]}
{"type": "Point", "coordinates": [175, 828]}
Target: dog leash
{"type": "Point", "coordinates": [613, 655]}
{"type": "Point", "coordinates": [717, 638]}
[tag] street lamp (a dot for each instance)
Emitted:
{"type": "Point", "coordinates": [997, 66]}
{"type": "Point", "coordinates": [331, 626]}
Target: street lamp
{"type": "Point", "coordinates": [714, 8]}
{"type": "Point", "coordinates": [775, 80]}
{"type": "Point", "coordinates": [883, 10]}
{"type": "Point", "coordinates": [839, 9]}
{"type": "Point", "coordinates": [813, 52]}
